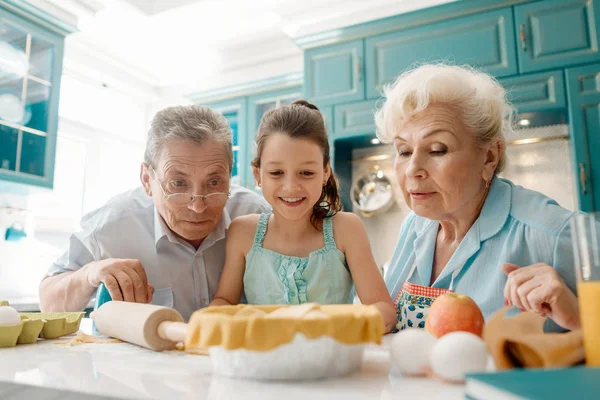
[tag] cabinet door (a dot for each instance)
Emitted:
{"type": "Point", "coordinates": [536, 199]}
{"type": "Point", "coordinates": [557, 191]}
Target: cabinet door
{"type": "Point", "coordinates": [30, 71]}
{"type": "Point", "coordinates": [483, 40]}
{"type": "Point", "coordinates": [555, 33]}
{"type": "Point", "coordinates": [327, 113]}
{"type": "Point", "coordinates": [354, 119]}
{"type": "Point", "coordinates": [235, 112]}
{"type": "Point", "coordinates": [584, 94]}
{"type": "Point", "coordinates": [536, 92]}
{"type": "Point", "coordinates": [334, 74]}
{"type": "Point", "coordinates": [9, 137]}
{"type": "Point", "coordinates": [257, 106]}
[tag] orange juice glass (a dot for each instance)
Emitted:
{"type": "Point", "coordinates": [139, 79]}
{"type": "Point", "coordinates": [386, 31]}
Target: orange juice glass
{"type": "Point", "coordinates": [586, 248]}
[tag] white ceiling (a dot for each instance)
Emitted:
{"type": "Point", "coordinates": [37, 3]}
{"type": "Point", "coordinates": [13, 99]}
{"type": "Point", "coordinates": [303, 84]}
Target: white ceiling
{"type": "Point", "coordinates": [194, 45]}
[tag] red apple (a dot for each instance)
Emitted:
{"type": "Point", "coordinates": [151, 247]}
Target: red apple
{"type": "Point", "coordinates": [453, 312]}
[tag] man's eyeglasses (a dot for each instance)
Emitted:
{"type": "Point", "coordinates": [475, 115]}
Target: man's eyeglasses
{"type": "Point", "coordinates": [185, 199]}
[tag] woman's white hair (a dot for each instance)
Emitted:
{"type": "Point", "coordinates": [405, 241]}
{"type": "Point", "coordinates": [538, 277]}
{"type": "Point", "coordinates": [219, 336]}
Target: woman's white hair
{"type": "Point", "coordinates": [193, 123]}
{"type": "Point", "coordinates": [479, 100]}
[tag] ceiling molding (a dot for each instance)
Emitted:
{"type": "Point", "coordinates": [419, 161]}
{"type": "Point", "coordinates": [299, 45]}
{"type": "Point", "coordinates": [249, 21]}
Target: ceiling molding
{"type": "Point", "coordinates": [417, 17]}
{"type": "Point", "coordinates": [254, 87]}
{"type": "Point", "coordinates": [86, 63]}
{"type": "Point", "coordinates": [74, 45]}
{"type": "Point", "coordinates": [259, 52]}
{"type": "Point", "coordinates": [44, 14]}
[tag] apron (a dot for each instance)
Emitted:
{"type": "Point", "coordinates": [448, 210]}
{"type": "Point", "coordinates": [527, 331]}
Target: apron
{"type": "Point", "coordinates": [413, 301]}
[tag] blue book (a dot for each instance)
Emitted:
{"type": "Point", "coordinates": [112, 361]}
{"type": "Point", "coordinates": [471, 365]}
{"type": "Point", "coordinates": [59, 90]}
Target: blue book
{"type": "Point", "coordinates": [575, 383]}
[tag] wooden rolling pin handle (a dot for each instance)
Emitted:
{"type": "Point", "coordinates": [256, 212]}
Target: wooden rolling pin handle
{"type": "Point", "coordinates": [140, 324]}
{"type": "Point", "coordinates": [173, 331]}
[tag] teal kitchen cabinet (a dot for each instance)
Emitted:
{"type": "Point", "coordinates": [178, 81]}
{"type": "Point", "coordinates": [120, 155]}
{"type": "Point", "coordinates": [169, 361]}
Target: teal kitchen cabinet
{"type": "Point", "coordinates": [583, 85]}
{"type": "Point", "coordinates": [30, 71]}
{"type": "Point", "coordinates": [484, 40]}
{"type": "Point", "coordinates": [354, 119]}
{"type": "Point", "coordinates": [327, 113]}
{"type": "Point", "coordinates": [557, 33]}
{"type": "Point", "coordinates": [529, 93]}
{"type": "Point", "coordinates": [235, 112]}
{"type": "Point", "coordinates": [354, 127]}
{"type": "Point", "coordinates": [536, 92]}
{"type": "Point", "coordinates": [334, 74]}
{"type": "Point", "coordinates": [258, 105]}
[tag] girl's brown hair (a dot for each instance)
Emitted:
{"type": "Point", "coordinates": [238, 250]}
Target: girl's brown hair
{"type": "Point", "coordinates": [302, 120]}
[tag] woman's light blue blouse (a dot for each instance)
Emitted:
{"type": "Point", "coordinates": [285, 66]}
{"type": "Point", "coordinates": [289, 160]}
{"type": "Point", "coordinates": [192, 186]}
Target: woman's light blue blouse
{"type": "Point", "coordinates": [516, 225]}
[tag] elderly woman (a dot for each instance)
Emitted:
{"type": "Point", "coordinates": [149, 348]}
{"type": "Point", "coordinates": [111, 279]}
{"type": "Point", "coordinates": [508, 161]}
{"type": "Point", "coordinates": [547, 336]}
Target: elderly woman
{"type": "Point", "coordinates": [469, 231]}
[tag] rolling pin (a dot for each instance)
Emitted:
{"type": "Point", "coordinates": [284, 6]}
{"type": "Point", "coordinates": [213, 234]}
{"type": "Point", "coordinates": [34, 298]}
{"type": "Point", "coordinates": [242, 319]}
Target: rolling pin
{"type": "Point", "coordinates": [147, 325]}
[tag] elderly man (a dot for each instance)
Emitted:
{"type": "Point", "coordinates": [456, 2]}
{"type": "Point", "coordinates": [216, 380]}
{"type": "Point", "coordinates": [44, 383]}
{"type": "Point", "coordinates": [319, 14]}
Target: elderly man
{"type": "Point", "coordinates": [165, 241]}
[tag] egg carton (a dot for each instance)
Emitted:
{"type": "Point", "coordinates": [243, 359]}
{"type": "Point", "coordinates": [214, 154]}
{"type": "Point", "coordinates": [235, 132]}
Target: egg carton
{"type": "Point", "coordinates": [44, 325]}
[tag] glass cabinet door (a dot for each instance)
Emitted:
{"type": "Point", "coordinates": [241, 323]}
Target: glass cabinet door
{"type": "Point", "coordinates": [258, 105]}
{"type": "Point", "coordinates": [269, 104]}
{"type": "Point", "coordinates": [9, 137]}
{"type": "Point", "coordinates": [234, 110]}
{"type": "Point", "coordinates": [25, 87]}
{"type": "Point", "coordinates": [233, 118]}
{"type": "Point", "coordinates": [262, 108]}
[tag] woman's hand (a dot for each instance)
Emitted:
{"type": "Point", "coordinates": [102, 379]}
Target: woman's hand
{"type": "Point", "coordinates": [539, 288]}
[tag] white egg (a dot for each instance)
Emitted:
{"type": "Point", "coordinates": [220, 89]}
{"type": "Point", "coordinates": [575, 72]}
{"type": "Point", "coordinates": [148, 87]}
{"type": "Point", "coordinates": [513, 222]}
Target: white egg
{"type": "Point", "coordinates": [9, 316]}
{"type": "Point", "coordinates": [458, 353]}
{"type": "Point", "coordinates": [410, 351]}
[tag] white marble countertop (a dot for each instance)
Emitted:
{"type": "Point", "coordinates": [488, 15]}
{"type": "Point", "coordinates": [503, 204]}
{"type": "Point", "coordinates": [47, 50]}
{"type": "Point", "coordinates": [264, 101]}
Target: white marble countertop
{"type": "Point", "coordinates": [32, 304]}
{"type": "Point", "coordinates": [24, 304]}
{"type": "Point", "coordinates": [124, 370]}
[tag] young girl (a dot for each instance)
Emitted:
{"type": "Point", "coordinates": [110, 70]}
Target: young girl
{"type": "Point", "coordinates": [306, 250]}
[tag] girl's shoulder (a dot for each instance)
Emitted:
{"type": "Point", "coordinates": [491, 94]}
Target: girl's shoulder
{"type": "Point", "coordinates": [345, 217]}
{"type": "Point", "coordinates": [243, 226]}
{"type": "Point", "coordinates": [348, 230]}
{"type": "Point", "coordinates": [246, 219]}
{"type": "Point", "coordinates": [346, 223]}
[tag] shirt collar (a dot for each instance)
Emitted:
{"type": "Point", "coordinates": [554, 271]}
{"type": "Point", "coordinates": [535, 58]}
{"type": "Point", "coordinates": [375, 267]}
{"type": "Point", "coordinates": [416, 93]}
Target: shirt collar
{"type": "Point", "coordinates": [221, 229]}
{"type": "Point", "coordinates": [162, 230]}
{"type": "Point", "coordinates": [493, 216]}
{"type": "Point", "coordinates": [496, 209]}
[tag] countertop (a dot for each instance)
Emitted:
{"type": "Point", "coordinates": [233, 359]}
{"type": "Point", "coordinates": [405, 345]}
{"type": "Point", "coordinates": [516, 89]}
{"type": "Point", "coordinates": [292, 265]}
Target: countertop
{"type": "Point", "coordinates": [32, 304]}
{"type": "Point", "coordinates": [24, 304]}
{"type": "Point", "coordinates": [124, 370]}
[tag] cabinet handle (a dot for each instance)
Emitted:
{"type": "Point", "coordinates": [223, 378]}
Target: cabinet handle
{"type": "Point", "coordinates": [358, 68]}
{"type": "Point", "coordinates": [582, 178]}
{"type": "Point", "coordinates": [523, 38]}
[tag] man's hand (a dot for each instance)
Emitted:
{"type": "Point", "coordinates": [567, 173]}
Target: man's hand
{"type": "Point", "coordinates": [125, 279]}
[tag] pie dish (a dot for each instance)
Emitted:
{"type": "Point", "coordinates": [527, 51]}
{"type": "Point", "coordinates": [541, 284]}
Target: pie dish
{"type": "Point", "coordinates": [307, 341]}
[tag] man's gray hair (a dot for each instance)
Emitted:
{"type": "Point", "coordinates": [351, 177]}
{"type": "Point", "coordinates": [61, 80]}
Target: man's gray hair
{"type": "Point", "coordinates": [191, 123]}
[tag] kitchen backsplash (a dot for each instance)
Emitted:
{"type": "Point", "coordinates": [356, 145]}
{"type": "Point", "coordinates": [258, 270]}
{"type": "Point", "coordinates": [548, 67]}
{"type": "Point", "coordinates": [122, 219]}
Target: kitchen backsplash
{"type": "Point", "coordinates": [545, 165]}
{"type": "Point", "coordinates": [382, 228]}
{"type": "Point", "coordinates": [540, 164]}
